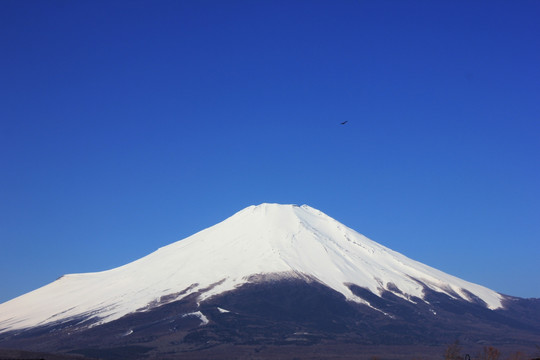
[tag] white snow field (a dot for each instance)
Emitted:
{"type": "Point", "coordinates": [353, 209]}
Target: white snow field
{"type": "Point", "coordinates": [274, 239]}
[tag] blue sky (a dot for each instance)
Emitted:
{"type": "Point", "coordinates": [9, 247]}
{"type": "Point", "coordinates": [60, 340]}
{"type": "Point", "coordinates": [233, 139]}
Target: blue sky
{"type": "Point", "coordinates": [125, 126]}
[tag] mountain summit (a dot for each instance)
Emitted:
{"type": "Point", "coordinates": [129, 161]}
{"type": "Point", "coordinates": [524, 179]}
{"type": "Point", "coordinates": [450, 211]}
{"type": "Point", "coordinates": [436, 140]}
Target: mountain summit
{"type": "Point", "coordinates": [268, 241]}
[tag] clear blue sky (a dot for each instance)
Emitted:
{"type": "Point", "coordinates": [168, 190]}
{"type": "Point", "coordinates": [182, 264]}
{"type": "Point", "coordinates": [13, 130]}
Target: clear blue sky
{"type": "Point", "coordinates": [128, 125]}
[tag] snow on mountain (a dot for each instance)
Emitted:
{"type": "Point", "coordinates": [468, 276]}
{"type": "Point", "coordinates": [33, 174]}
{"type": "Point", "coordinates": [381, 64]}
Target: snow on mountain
{"type": "Point", "coordinates": [270, 239]}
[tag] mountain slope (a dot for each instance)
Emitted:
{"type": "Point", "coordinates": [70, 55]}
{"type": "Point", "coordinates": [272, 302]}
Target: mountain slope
{"type": "Point", "coordinates": [259, 242]}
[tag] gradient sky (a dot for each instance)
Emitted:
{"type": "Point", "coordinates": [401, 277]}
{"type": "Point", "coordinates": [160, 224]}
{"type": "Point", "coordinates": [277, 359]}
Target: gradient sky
{"type": "Point", "coordinates": [128, 125]}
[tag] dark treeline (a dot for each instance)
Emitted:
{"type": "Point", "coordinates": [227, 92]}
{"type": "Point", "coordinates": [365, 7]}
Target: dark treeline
{"type": "Point", "coordinates": [454, 352]}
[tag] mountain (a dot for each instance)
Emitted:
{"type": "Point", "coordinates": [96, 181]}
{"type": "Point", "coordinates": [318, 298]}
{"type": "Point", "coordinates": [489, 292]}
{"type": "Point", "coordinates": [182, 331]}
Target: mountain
{"type": "Point", "coordinates": [268, 275]}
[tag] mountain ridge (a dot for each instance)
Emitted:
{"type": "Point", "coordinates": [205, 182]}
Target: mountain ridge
{"type": "Point", "coordinates": [277, 240]}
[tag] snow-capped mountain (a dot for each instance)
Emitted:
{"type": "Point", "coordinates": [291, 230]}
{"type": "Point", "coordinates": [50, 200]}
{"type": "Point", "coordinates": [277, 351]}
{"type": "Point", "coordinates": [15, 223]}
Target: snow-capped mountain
{"type": "Point", "coordinates": [268, 241]}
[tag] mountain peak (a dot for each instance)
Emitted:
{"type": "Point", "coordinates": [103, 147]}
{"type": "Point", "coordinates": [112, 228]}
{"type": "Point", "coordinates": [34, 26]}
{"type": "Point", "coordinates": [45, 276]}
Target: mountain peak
{"type": "Point", "coordinates": [271, 208]}
{"type": "Point", "coordinates": [266, 239]}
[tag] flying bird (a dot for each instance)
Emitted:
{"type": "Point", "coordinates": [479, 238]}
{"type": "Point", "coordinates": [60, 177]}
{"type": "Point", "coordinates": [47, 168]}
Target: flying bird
{"type": "Point", "coordinates": [346, 121]}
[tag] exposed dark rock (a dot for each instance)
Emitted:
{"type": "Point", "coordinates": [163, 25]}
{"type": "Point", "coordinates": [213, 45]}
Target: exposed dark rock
{"type": "Point", "coordinates": [286, 312]}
